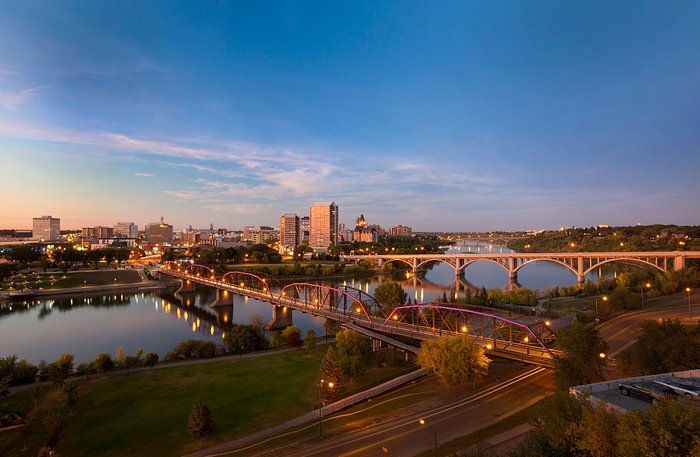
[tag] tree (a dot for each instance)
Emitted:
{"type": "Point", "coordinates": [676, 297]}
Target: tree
{"type": "Point", "coordinates": [54, 430]}
{"type": "Point", "coordinates": [122, 255]}
{"type": "Point", "coordinates": [330, 327]}
{"type": "Point", "coordinates": [102, 363]}
{"type": "Point", "coordinates": [109, 255]}
{"type": "Point", "coordinates": [200, 422]}
{"type": "Point", "coordinates": [69, 389]}
{"type": "Point", "coordinates": [352, 350]}
{"type": "Point", "coordinates": [244, 338]}
{"type": "Point", "coordinates": [662, 347]}
{"type": "Point", "coordinates": [5, 386]}
{"type": "Point", "coordinates": [390, 295]}
{"type": "Point", "coordinates": [292, 335]}
{"type": "Point", "coordinates": [61, 369]}
{"type": "Point", "coordinates": [36, 391]}
{"type": "Point", "coordinates": [331, 373]}
{"type": "Point", "coordinates": [120, 356]}
{"type": "Point", "coordinates": [455, 359]}
{"type": "Point", "coordinates": [581, 361]}
{"type": "Point", "coordinates": [310, 340]}
{"type": "Point", "coordinates": [151, 359]}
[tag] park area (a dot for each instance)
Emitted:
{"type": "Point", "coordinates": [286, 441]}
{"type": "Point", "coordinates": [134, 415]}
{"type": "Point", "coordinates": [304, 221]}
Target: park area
{"type": "Point", "coordinates": [146, 413]}
{"type": "Point", "coordinates": [58, 280]}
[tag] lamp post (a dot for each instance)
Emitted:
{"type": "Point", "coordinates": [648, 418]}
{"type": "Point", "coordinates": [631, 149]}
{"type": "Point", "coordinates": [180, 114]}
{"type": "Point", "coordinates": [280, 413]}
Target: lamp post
{"type": "Point", "coordinates": [641, 287]}
{"type": "Point", "coordinates": [422, 422]}
{"type": "Point", "coordinates": [320, 405]}
{"type": "Point", "coordinates": [687, 289]}
{"type": "Point", "coordinates": [605, 298]}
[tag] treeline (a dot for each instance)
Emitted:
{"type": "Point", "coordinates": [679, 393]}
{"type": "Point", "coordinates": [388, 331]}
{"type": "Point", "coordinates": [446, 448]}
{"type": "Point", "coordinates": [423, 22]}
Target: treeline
{"type": "Point", "coordinates": [299, 270]}
{"type": "Point", "coordinates": [257, 253]}
{"type": "Point", "coordinates": [63, 258]}
{"type": "Point", "coordinates": [423, 244]}
{"type": "Point", "coordinates": [612, 239]}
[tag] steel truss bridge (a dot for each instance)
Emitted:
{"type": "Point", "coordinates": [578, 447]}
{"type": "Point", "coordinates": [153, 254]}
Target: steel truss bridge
{"type": "Point", "coordinates": [580, 263]}
{"type": "Point", "coordinates": [502, 334]}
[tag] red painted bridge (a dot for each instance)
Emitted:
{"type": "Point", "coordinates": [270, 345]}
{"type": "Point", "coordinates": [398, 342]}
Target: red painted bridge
{"type": "Point", "coordinates": [502, 334]}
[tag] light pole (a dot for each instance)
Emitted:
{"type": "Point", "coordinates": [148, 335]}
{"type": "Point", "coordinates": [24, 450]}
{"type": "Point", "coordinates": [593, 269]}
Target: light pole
{"type": "Point", "coordinates": [422, 422]}
{"type": "Point", "coordinates": [320, 405]}
{"type": "Point", "coordinates": [605, 298]}
{"type": "Point", "coordinates": [641, 287]}
{"type": "Point", "coordinates": [687, 289]}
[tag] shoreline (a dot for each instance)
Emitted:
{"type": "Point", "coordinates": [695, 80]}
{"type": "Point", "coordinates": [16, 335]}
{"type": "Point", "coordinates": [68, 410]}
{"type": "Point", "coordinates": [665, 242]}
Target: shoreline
{"type": "Point", "coordinates": [48, 293]}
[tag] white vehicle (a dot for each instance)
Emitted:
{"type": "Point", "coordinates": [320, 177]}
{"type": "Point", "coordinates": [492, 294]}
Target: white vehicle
{"type": "Point", "coordinates": [681, 387]}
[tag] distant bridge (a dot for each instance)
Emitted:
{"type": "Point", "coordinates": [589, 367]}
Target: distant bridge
{"type": "Point", "coordinates": [579, 263]}
{"type": "Point", "coordinates": [502, 334]}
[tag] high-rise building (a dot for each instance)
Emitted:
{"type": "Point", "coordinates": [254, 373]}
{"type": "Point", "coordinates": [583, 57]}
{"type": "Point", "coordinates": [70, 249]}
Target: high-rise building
{"type": "Point", "coordinates": [159, 232]}
{"type": "Point", "coordinates": [304, 229]}
{"type": "Point", "coordinates": [323, 230]}
{"type": "Point", "coordinates": [400, 230]}
{"type": "Point", "coordinates": [289, 231]}
{"type": "Point", "coordinates": [46, 228]}
{"type": "Point", "coordinates": [126, 229]}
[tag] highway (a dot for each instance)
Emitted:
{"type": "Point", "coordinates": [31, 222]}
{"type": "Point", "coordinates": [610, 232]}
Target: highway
{"type": "Point", "coordinates": [407, 437]}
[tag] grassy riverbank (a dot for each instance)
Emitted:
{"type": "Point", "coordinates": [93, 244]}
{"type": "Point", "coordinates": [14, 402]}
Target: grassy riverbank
{"type": "Point", "coordinates": [146, 413]}
{"type": "Point", "coordinates": [92, 278]}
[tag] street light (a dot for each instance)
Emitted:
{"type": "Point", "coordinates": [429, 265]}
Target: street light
{"type": "Point", "coordinates": [641, 287]}
{"type": "Point", "coordinates": [687, 289]}
{"type": "Point", "coordinates": [605, 298]}
{"type": "Point", "coordinates": [320, 405]}
{"type": "Point", "coordinates": [422, 422]}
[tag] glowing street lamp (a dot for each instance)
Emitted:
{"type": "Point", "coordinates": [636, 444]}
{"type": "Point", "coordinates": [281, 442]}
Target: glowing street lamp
{"type": "Point", "coordinates": [330, 385]}
{"type": "Point", "coordinates": [641, 287]}
{"type": "Point", "coordinates": [422, 422]}
{"type": "Point", "coordinates": [605, 298]}
{"type": "Point", "coordinates": [687, 289]}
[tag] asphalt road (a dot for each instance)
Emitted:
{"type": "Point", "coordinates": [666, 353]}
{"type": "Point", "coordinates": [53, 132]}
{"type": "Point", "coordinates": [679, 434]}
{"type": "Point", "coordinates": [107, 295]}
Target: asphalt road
{"type": "Point", "coordinates": [622, 331]}
{"type": "Point", "coordinates": [407, 437]}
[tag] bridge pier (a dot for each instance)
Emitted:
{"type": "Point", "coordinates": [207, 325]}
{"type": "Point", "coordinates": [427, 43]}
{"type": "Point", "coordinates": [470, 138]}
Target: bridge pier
{"type": "Point", "coordinates": [415, 266]}
{"type": "Point", "coordinates": [186, 286]}
{"type": "Point", "coordinates": [678, 262]}
{"type": "Point", "coordinates": [223, 298]}
{"type": "Point", "coordinates": [281, 318]}
{"type": "Point", "coordinates": [458, 267]}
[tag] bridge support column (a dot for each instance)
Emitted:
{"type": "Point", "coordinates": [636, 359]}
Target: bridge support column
{"type": "Point", "coordinates": [186, 286]}
{"type": "Point", "coordinates": [458, 267]}
{"type": "Point", "coordinates": [415, 265]}
{"type": "Point", "coordinates": [223, 298]}
{"type": "Point", "coordinates": [512, 274]}
{"type": "Point", "coordinates": [678, 262]}
{"type": "Point", "coordinates": [281, 318]}
{"type": "Point", "coordinates": [579, 273]}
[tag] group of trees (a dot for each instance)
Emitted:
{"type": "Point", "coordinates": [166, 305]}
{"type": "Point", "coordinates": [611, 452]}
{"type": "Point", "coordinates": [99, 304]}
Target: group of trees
{"type": "Point", "coordinates": [570, 426]}
{"type": "Point", "coordinates": [424, 244]}
{"type": "Point", "coordinates": [257, 253]}
{"type": "Point", "coordinates": [61, 257]}
{"type": "Point", "coordinates": [605, 239]}
{"type": "Point", "coordinates": [455, 360]}
{"type": "Point", "coordinates": [662, 347]}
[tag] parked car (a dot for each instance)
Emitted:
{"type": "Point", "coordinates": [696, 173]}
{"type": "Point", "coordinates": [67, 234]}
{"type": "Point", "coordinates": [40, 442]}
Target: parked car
{"type": "Point", "coordinates": [681, 387]}
{"type": "Point", "coordinates": [648, 391]}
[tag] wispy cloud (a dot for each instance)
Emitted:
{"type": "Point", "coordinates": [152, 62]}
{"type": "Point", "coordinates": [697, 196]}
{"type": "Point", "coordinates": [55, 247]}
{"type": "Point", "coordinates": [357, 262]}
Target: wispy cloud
{"type": "Point", "coordinates": [144, 174]}
{"type": "Point", "coordinates": [13, 100]}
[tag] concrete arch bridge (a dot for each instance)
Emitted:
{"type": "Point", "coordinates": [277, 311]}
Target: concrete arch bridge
{"type": "Point", "coordinates": [579, 263]}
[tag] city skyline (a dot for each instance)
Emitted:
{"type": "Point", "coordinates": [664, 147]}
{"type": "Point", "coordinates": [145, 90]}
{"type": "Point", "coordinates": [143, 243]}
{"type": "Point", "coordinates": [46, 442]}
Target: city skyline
{"type": "Point", "coordinates": [472, 116]}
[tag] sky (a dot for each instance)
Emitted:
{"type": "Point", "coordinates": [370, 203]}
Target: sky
{"type": "Point", "coordinates": [443, 116]}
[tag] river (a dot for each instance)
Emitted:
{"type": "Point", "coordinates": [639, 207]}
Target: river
{"type": "Point", "coordinates": [157, 321]}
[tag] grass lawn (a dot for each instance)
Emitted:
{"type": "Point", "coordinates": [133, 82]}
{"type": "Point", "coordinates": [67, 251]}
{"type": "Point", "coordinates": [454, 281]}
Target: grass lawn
{"type": "Point", "coordinates": [146, 413]}
{"type": "Point", "coordinates": [75, 279]}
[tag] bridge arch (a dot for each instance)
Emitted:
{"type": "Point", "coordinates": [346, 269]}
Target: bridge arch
{"type": "Point", "coordinates": [470, 262]}
{"type": "Point", "coordinates": [196, 269]}
{"type": "Point", "coordinates": [426, 261]}
{"type": "Point", "coordinates": [410, 264]}
{"type": "Point", "coordinates": [641, 261]}
{"type": "Point", "coordinates": [540, 332]}
{"type": "Point", "coordinates": [324, 296]}
{"type": "Point", "coordinates": [553, 260]}
{"type": "Point", "coordinates": [252, 281]}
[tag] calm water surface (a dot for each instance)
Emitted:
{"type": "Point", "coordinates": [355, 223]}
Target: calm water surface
{"type": "Point", "coordinates": [157, 321]}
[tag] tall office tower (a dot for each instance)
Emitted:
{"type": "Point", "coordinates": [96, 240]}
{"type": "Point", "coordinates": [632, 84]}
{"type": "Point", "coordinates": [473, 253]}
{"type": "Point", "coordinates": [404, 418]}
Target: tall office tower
{"type": "Point", "coordinates": [323, 230]}
{"type": "Point", "coordinates": [304, 229]}
{"type": "Point", "coordinates": [159, 233]}
{"type": "Point", "coordinates": [46, 228]}
{"type": "Point", "coordinates": [289, 231]}
{"type": "Point", "coordinates": [126, 229]}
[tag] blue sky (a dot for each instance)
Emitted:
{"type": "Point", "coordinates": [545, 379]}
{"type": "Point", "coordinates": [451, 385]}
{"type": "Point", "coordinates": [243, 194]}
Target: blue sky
{"type": "Point", "coordinates": [438, 115]}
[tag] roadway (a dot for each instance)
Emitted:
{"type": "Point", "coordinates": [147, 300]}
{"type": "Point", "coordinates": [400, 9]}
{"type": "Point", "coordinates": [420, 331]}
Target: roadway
{"type": "Point", "coordinates": [406, 437]}
{"type": "Point", "coordinates": [621, 332]}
